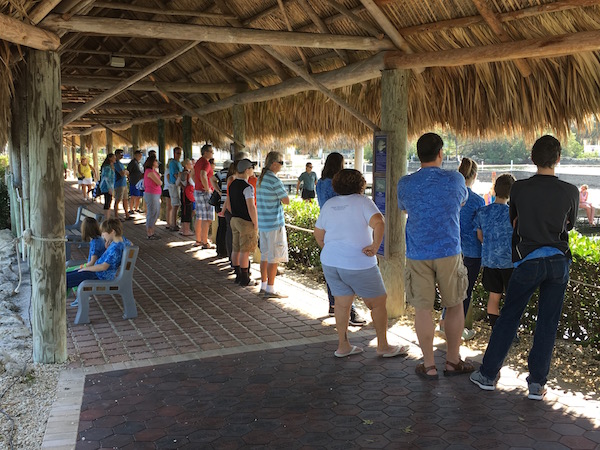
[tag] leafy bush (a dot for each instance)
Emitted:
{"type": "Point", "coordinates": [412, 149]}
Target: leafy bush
{"type": "Point", "coordinates": [303, 249]}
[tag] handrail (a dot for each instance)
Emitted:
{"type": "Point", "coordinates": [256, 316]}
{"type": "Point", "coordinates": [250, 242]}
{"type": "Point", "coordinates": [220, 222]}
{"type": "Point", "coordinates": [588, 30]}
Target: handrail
{"type": "Point", "coordinates": [294, 227]}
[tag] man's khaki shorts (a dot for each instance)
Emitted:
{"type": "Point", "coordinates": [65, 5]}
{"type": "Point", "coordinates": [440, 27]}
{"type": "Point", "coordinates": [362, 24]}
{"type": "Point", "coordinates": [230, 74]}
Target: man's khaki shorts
{"type": "Point", "coordinates": [121, 193]}
{"type": "Point", "coordinates": [245, 237]}
{"type": "Point", "coordinates": [421, 277]}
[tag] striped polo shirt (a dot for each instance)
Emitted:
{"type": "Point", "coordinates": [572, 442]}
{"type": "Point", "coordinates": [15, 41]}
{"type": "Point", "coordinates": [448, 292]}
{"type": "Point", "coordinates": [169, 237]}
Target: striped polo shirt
{"type": "Point", "coordinates": [269, 194]}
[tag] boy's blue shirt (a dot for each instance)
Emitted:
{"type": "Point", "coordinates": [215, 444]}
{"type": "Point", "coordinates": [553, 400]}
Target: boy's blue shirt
{"type": "Point", "coordinates": [471, 247]}
{"type": "Point", "coordinates": [432, 197]}
{"type": "Point", "coordinates": [113, 256]}
{"type": "Point", "coordinates": [494, 221]}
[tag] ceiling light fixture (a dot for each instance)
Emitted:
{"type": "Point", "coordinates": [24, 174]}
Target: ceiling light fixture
{"type": "Point", "coordinates": [117, 61]}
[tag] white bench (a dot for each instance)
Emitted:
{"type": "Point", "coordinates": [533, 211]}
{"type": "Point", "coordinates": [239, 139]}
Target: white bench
{"type": "Point", "coordinates": [73, 231]}
{"type": "Point", "coordinates": [121, 285]}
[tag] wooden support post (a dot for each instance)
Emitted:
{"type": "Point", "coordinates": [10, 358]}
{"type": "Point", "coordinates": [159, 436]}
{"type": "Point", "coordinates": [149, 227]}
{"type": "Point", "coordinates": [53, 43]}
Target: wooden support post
{"type": "Point", "coordinates": [83, 145]}
{"type": "Point", "coordinates": [95, 159]}
{"type": "Point", "coordinates": [109, 141]}
{"type": "Point", "coordinates": [394, 106]}
{"type": "Point", "coordinates": [47, 260]}
{"type": "Point", "coordinates": [135, 138]}
{"type": "Point", "coordinates": [14, 159]}
{"type": "Point", "coordinates": [74, 157]}
{"type": "Point", "coordinates": [67, 150]}
{"type": "Point", "coordinates": [187, 136]}
{"type": "Point", "coordinates": [359, 157]}
{"type": "Point", "coordinates": [239, 127]}
{"type": "Point", "coordinates": [162, 155]}
{"type": "Point", "coordinates": [20, 141]}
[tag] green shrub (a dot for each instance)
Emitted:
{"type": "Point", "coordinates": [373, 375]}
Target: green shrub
{"type": "Point", "coordinates": [303, 249]}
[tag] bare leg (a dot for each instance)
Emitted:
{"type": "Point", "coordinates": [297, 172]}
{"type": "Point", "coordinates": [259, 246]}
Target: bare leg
{"type": "Point", "coordinates": [342, 317]}
{"type": "Point", "coordinates": [272, 273]}
{"type": "Point", "coordinates": [198, 230]}
{"type": "Point", "coordinates": [493, 306]}
{"type": "Point", "coordinates": [174, 210]}
{"type": "Point", "coordinates": [205, 225]}
{"type": "Point", "coordinates": [126, 205]}
{"type": "Point", "coordinates": [380, 321]}
{"type": "Point", "coordinates": [455, 324]}
{"type": "Point", "coordinates": [425, 327]}
{"type": "Point", "coordinates": [263, 271]}
{"type": "Point", "coordinates": [244, 259]}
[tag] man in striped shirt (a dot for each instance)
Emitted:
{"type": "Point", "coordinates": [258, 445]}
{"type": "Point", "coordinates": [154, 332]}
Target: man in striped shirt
{"type": "Point", "coordinates": [270, 196]}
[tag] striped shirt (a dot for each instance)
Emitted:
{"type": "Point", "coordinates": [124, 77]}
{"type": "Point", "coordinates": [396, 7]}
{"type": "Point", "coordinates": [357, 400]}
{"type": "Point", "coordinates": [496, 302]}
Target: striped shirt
{"type": "Point", "coordinates": [269, 194]}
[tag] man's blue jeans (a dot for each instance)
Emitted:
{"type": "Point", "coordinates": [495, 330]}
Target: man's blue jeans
{"type": "Point", "coordinates": [551, 275]}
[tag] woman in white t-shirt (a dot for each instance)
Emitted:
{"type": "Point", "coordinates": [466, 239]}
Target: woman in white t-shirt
{"type": "Point", "coordinates": [350, 230]}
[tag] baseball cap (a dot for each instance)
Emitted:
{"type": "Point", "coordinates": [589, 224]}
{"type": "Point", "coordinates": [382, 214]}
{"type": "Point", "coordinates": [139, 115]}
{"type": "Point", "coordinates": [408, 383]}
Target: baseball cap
{"type": "Point", "coordinates": [244, 164]}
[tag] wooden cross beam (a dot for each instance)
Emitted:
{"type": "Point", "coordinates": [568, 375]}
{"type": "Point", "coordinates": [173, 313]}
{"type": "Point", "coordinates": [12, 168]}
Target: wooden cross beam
{"type": "Point", "coordinates": [17, 32]}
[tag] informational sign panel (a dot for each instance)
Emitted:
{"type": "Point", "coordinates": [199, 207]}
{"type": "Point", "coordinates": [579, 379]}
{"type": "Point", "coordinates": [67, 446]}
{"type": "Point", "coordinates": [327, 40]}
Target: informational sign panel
{"type": "Point", "coordinates": [380, 179]}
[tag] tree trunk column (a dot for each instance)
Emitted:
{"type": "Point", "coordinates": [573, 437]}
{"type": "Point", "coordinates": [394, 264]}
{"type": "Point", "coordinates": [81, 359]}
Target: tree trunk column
{"type": "Point", "coordinates": [21, 99]}
{"type": "Point", "coordinates": [47, 258]}
{"type": "Point", "coordinates": [394, 105]}
{"type": "Point", "coordinates": [95, 158]}
{"type": "Point", "coordinates": [359, 157]}
{"type": "Point", "coordinates": [187, 137]}
{"type": "Point", "coordinates": [162, 155]}
{"type": "Point", "coordinates": [135, 139]}
{"type": "Point", "coordinates": [239, 128]}
{"type": "Point", "coordinates": [74, 157]}
{"type": "Point", "coordinates": [109, 141]}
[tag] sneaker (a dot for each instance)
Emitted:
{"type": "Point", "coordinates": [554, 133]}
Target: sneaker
{"type": "Point", "coordinates": [485, 383]}
{"type": "Point", "coordinates": [356, 320]}
{"type": "Point", "coordinates": [331, 311]}
{"type": "Point", "coordinates": [274, 295]}
{"type": "Point", "coordinates": [467, 334]}
{"type": "Point", "coordinates": [76, 303]}
{"type": "Point", "coordinates": [536, 391]}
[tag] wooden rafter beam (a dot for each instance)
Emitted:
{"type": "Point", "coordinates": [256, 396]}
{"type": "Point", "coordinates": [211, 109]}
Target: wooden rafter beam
{"type": "Point", "coordinates": [533, 11]}
{"type": "Point", "coordinates": [165, 30]}
{"type": "Point", "coordinates": [321, 26]}
{"type": "Point", "coordinates": [551, 47]}
{"type": "Point", "coordinates": [108, 53]}
{"type": "Point", "coordinates": [21, 33]}
{"type": "Point", "coordinates": [288, 24]}
{"type": "Point", "coordinates": [123, 85]}
{"type": "Point", "coordinates": [123, 106]}
{"type": "Point", "coordinates": [42, 10]}
{"type": "Point", "coordinates": [495, 25]}
{"type": "Point", "coordinates": [321, 88]}
{"type": "Point", "coordinates": [103, 83]}
{"type": "Point", "coordinates": [373, 31]}
{"type": "Point", "coordinates": [162, 12]}
{"type": "Point", "coordinates": [103, 125]}
{"type": "Point", "coordinates": [388, 27]}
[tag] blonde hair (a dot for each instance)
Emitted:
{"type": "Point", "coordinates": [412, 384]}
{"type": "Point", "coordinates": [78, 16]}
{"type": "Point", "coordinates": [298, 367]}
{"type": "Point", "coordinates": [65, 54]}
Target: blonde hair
{"type": "Point", "coordinates": [468, 168]}
{"type": "Point", "coordinates": [269, 160]}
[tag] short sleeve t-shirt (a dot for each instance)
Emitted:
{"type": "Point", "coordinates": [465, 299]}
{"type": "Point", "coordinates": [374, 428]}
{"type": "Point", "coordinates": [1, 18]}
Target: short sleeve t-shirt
{"type": "Point", "coordinates": [345, 219]}
{"type": "Point", "coordinates": [113, 256]}
{"type": "Point", "coordinates": [269, 194]}
{"type": "Point", "coordinates": [240, 191]}
{"type": "Point", "coordinates": [494, 221]}
{"type": "Point", "coordinates": [97, 248]}
{"type": "Point", "coordinates": [432, 197]}
{"type": "Point", "coordinates": [308, 180]}
{"type": "Point", "coordinates": [120, 181]}
{"type": "Point", "coordinates": [175, 168]}
{"type": "Point", "coordinates": [471, 247]}
{"type": "Point", "coordinates": [324, 191]}
{"type": "Point", "coordinates": [202, 164]}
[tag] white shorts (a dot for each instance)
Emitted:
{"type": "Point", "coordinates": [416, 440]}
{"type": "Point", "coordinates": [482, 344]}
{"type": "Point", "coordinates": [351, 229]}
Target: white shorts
{"type": "Point", "coordinates": [274, 246]}
{"type": "Point", "coordinates": [174, 194]}
{"type": "Point", "coordinates": [87, 181]}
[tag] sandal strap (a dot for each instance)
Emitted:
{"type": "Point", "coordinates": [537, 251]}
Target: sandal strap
{"type": "Point", "coordinates": [460, 365]}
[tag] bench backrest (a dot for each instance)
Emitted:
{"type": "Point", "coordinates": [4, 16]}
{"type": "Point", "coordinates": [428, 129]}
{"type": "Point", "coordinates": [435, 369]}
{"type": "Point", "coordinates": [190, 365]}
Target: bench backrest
{"type": "Point", "coordinates": [87, 213]}
{"type": "Point", "coordinates": [127, 267]}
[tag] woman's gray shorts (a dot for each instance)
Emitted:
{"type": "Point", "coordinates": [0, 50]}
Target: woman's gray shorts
{"type": "Point", "coordinates": [366, 283]}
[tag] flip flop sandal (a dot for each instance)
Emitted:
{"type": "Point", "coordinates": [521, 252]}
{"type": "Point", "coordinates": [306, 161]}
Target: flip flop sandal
{"type": "Point", "coordinates": [353, 351]}
{"type": "Point", "coordinates": [421, 371]}
{"type": "Point", "coordinates": [460, 368]}
{"type": "Point", "coordinates": [400, 350]}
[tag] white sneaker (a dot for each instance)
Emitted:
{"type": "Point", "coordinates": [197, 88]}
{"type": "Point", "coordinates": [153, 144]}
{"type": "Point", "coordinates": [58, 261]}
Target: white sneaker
{"type": "Point", "coordinates": [467, 334]}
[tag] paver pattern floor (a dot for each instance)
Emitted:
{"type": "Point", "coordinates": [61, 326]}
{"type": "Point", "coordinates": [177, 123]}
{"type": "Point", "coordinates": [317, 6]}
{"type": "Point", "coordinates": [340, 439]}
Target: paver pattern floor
{"type": "Point", "coordinates": [208, 364]}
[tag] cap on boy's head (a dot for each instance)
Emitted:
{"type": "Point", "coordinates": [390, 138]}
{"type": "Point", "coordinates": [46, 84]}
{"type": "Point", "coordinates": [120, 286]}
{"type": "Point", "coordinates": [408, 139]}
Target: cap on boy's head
{"type": "Point", "coordinates": [428, 147]}
{"type": "Point", "coordinates": [546, 151]}
{"type": "Point", "coordinates": [244, 165]}
{"type": "Point", "coordinates": [119, 151]}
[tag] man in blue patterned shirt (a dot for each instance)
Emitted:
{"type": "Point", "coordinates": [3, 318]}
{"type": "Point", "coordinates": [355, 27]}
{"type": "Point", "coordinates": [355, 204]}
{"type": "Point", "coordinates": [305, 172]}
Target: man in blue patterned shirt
{"type": "Point", "coordinates": [270, 197]}
{"type": "Point", "coordinates": [432, 198]}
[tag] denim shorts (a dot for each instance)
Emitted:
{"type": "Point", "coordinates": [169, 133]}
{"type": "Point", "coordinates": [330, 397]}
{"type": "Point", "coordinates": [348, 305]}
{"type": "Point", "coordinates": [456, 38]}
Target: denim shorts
{"type": "Point", "coordinates": [366, 283]}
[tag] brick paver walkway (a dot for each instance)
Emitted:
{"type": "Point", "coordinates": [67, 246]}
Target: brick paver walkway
{"type": "Point", "coordinates": [208, 364]}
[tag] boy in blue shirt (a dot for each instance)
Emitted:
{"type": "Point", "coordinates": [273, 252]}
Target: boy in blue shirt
{"type": "Point", "coordinates": [494, 230]}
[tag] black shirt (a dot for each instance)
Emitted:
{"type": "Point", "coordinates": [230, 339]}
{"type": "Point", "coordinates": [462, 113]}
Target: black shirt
{"type": "Point", "coordinates": [546, 209]}
{"type": "Point", "coordinates": [239, 207]}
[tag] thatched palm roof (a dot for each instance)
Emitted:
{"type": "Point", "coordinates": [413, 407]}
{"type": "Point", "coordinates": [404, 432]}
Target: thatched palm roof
{"type": "Point", "coordinates": [493, 93]}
